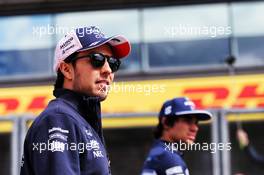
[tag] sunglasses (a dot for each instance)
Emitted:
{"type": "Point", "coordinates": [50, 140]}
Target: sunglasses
{"type": "Point", "coordinates": [98, 61]}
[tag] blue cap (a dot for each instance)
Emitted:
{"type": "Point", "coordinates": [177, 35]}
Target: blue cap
{"type": "Point", "coordinates": [86, 38]}
{"type": "Point", "coordinates": [183, 106]}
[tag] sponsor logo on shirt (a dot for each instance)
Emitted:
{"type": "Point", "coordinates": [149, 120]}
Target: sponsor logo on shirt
{"type": "Point", "coordinates": [57, 146]}
{"type": "Point", "coordinates": [88, 132]}
{"type": "Point", "coordinates": [94, 146]}
{"type": "Point", "coordinates": [58, 136]}
{"type": "Point", "coordinates": [58, 129]}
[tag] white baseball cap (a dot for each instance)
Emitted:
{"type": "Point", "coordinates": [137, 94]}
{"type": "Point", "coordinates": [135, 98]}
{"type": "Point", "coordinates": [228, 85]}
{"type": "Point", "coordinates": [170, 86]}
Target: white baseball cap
{"type": "Point", "coordinates": [86, 38]}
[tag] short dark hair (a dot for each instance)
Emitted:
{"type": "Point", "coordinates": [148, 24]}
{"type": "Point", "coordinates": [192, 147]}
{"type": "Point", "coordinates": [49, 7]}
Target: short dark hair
{"type": "Point", "coordinates": [169, 121]}
{"type": "Point", "coordinates": [60, 77]}
{"type": "Point", "coordinates": [59, 80]}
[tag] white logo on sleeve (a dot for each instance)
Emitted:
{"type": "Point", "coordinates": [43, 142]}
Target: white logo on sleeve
{"type": "Point", "coordinates": [58, 136]}
{"type": "Point", "coordinates": [176, 170]}
{"type": "Point", "coordinates": [58, 129]}
{"type": "Point", "coordinates": [58, 133]}
{"type": "Point", "coordinates": [88, 132]}
{"type": "Point", "coordinates": [94, 146]}
{"type": "Point", "coordinates": [56, 146]}
{"type": "Point", "coordinates": [187, 172]}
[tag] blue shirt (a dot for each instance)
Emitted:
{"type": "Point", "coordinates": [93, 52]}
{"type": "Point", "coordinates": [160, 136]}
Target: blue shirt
{"type": "Point", "coordinates": [163, 160]}
{"type": "Point", "coordinates": [66, 139]}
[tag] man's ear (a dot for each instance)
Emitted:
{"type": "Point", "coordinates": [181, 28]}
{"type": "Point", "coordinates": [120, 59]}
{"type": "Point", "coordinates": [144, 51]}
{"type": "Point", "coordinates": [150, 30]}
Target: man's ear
{"type": "Point", "coordinates": [164, 123]}
{"type": "Point", "coordinates": [67, 70]}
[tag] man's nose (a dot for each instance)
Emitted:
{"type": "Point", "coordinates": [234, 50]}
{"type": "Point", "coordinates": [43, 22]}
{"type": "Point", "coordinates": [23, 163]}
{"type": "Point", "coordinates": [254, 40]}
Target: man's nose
{"type": "Point", "coordinates": [194, 127]}
{"type": "Point", "coordinates": [106, 68]}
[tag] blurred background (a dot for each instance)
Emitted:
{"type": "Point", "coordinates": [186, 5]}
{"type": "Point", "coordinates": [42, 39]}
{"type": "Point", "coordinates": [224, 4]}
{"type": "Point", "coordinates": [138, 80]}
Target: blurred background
{"type": "Point", "coordinates": [179, 48]}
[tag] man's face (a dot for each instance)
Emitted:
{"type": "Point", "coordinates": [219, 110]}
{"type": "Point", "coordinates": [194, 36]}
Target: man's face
{"type": "Point", "coordinates": [93, 81]}
{"type": "Point", "coordinates": [184, 129]}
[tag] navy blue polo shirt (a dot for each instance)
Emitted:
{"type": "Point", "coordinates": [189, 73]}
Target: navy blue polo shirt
{"type": "Point", "coordinates": [162, 160]}
{"type": "Point", "coordinates": [66, 139]}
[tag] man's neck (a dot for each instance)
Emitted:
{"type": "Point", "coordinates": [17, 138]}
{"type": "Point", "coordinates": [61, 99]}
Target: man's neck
{"type": "Point", "coordinates": [166, 138]}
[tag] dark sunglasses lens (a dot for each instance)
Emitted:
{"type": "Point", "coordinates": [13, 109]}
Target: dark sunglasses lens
{"type": "Point", "coordinates": [98, 60]}
{"type": "Point", "coordinates": [114, 64]}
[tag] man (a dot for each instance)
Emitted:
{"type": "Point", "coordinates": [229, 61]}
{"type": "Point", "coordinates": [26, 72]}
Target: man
{"type": "Point", "coordinates": [248, 148]}
{"type": "Point", "coordinates": [66, 138]}
{"type": "Point", "coordinates": [178, 123]}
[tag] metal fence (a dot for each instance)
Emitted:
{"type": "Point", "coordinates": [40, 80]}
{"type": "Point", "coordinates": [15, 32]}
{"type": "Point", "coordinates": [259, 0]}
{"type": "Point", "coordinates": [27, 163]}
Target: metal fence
{"type": "Point", "coordinates": [219, 134]}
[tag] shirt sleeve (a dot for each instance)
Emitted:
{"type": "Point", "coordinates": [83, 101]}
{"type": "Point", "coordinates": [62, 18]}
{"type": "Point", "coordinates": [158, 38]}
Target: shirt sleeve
{"type": "Point", "coordinates": [165, 164]}
{"type": "Point", "coordinates": [54, 146]}
{"type": "Point", "coordinates": [173, 165]}
{"type": "Point", "coordinates": [254, 155]}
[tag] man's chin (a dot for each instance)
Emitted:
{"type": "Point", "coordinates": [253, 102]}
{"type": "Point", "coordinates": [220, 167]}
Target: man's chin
{"type": "Point", "coordinates": [102, 96]}
{"type": "Point", "coordinates": [190, 142]}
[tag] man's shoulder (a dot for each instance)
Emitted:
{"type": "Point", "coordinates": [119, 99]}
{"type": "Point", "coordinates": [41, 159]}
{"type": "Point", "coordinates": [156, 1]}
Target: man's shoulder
{"type": "Point", "coordinates": [157, 149]}
{"type": "Point", "coordinates": [58, 115]}
{"type": "Point", "coordinates": [57, 110]}
{"type": "Point", "coordinates": [164, 151]}
{"type": "Point", "coordinates": [58, 106]}
{"type": "Point", "coordinates": [164, 160]}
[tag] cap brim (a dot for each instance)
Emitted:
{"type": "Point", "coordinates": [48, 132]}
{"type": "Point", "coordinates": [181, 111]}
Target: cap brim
{"type": "Point", "coordinates": [121, 47]}
{"type": "Point", "coordinates": [200, 114]}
